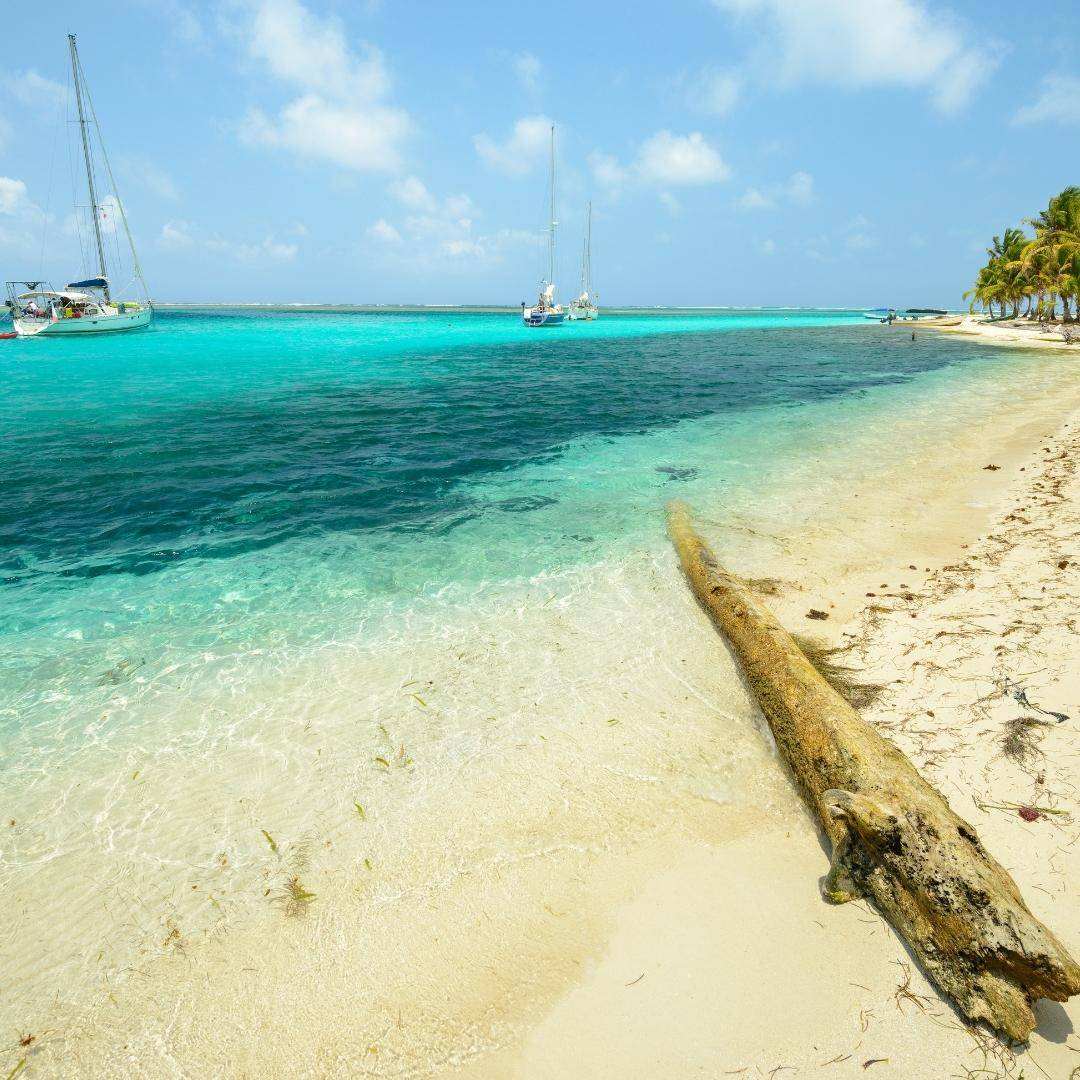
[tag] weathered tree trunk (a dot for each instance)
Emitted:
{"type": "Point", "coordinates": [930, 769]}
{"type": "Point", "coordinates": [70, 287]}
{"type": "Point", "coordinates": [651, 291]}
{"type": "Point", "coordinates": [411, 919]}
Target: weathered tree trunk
{"type": "Point", "coordinates": [894, 838]}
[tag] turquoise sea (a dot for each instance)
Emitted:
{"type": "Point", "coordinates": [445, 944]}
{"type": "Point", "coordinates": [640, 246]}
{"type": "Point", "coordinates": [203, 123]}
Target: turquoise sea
{"type": "Point", "coordinates": [262, 568]}
{"type": "Point", "coordinates": [299, 470]}
{"type": "Point", "coordinates": [253, 478]}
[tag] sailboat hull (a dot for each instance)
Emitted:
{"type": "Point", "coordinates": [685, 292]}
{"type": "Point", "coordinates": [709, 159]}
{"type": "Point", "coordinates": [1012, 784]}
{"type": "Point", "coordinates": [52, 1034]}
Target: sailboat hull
{"type": "Point", "coordinates": [532, 317]}
{"type": "Point", "coordinates": [97, 324]}
{"type": "Point", "coordinates": [583, 314]}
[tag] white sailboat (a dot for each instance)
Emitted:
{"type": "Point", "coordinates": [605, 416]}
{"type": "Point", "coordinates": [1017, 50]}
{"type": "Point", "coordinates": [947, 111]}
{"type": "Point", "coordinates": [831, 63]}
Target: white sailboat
{"type": "Point", "coordinates": [86, 306]}
{"type": "Point", "coordinates": [545, 312]}
{"type": "Point", "coordinates": [583, 307]}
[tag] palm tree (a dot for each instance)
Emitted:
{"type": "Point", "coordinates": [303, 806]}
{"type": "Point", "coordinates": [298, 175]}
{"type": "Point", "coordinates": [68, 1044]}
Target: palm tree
{"type": "Point", "coordinates": [1041, 271]}
{"type": "Point", "coordinates": [1055, 247]}
{"type": "Point", "coordinates": [1003, 279]}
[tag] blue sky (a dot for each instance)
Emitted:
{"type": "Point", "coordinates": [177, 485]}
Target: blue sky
{"type": "Point", "coordinates": [804, 152]}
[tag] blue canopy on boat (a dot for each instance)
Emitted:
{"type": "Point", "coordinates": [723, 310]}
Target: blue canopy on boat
{"type": "Point", "coordinates": [89, 283]}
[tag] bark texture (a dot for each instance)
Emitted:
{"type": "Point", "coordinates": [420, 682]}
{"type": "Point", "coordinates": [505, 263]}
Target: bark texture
{"type": "Point", "coordinates": [894, 838]}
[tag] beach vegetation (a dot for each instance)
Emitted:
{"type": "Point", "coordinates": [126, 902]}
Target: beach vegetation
{"type": "Point", "coordinates": [1034, 275]}
{"type": "Point", "coordinates": [295, 898]}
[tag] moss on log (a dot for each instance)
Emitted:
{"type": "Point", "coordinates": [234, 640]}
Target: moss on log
{"type": "Point", "coordinates": [894, 838]}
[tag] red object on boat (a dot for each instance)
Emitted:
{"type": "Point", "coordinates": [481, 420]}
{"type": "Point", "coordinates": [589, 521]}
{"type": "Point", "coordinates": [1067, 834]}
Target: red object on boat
{"type": "Point", "coordinates": [8, 335]}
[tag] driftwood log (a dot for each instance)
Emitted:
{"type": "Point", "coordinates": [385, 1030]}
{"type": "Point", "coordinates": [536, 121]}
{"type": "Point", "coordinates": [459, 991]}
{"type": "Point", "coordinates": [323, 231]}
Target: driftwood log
{"type": "Point", "coordinates": [894, 838]}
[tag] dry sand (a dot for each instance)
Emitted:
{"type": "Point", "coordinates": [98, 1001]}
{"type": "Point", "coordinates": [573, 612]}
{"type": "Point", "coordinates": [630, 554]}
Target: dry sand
{"type": "Point", "coordinates": [730, 963]}
{"type": "Point", "coordinates": [1013, 332]}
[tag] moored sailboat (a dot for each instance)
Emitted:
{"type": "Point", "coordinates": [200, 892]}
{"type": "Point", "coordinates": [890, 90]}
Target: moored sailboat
{"type": "Point", "coordinates": [546, 312]}
{"type": "Point", "coordinates": [583, 307]}
{"type": "Point", "coordinates": [85, 306]}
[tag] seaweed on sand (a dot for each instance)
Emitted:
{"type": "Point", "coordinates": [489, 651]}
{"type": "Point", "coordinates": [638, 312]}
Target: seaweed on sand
{"type": "Point", "coordinates": [295, 898]}
{"type": "Point", "coordinates": [859, 695]}
{"type": "Point", "coordinates": [1020, 742]}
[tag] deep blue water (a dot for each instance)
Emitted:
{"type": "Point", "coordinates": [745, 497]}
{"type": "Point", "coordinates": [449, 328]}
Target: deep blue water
{"type": "Point", "coordinates": [216, 434]}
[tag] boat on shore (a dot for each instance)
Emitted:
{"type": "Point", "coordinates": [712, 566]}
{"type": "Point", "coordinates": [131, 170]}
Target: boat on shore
{"type": "Point", "coordinates": [85, 306]}
{"type": "Point", "coordinates": [546, 312]}
{"type": "Point", "coordinates": [583, 307]}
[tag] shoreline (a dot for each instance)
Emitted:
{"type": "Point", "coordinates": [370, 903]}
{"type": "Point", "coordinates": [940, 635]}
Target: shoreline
{"type": "Point", "coordinates": [1012, 333]}
{"type": "Point", "coordinates": [629, 802]}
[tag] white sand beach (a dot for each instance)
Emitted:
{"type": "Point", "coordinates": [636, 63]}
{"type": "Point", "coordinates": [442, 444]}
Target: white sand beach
{"type": "Point", "coordinates": [1013, 333]}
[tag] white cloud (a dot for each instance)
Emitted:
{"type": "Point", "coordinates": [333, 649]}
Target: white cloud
{"type": "Point", "coordinates": [13, 197]}
{"type": "Point", "coordinates": [664, 160]}
{"type": "Point", "coordinates": [767, 247]}
{"type": "Point", "coordinates": [152, 177]}
{"type": "Point", "coordinates": [607, 171]}
{"type": "Point", "coordinates": [800, 188]}
{"type": "Point", "coordinates": [311, 53]}
{"type": "Point", "coordinates": [859, 241]}
{"type": "Point", "coordinates": [341, 114]}
{"type": "Point", "coordinates": [179, 19]}
{"type": "Point", "coordinates": [183, 236]}
{"type": "Point", "coordinates": [384, 232]}
{"type": "Point", "coordinates": [754, 199]}
{"type": "Point", "coordinates": [859, 234]}
{"type": "Point", "coordinates": [441, 232]}
{"type": "Point", "coordinates": [364, 139]}
{"type": "Point", "coordinates": [175, 235]}
{"type": "Point", "coordinates": [857, 43]}
{"type": "Point", "coordinates": [267, 248]}
{"type": "Point", "coordinates": [680, 160]}
{"type": "Point", "coordinates": [797, 189]}
{"type": "Point", "coordinates": [528, 70]}
{"type": "Point", "coordinates": [460, 206]}
{"type": "Point", "coordinates": [34, 90]}
{"type": "Point", "coordinates": [23, 237]}
{"type": "Point", "coordinates": [412, 192]}
{"type": "Point", "coordinates": [519, 153]}
{"type": "Point", "coordinates": [1058, 102]}
{"type": "Point", "coordinates": [711, 91]}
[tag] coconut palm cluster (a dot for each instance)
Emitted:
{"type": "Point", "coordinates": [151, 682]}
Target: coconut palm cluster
{"type": "Point", "coordinates": [1036, 277]}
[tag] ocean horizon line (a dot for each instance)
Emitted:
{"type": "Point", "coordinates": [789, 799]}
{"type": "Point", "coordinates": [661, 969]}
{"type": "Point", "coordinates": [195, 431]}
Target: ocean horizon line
{"type": "Point", "coordinates": [506, 308]}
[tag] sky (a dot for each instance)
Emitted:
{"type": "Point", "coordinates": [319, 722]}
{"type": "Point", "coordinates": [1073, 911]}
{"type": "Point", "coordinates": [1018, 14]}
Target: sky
{"type": "Point", "coordinates": [736, 152]}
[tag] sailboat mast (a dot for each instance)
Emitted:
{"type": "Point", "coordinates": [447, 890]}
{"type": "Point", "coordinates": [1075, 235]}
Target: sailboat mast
{"type": "Point", "coordinates": [551, 233]}
{"type": "Point", "coordinates": [76, 78]}
{"type": "Point", "coordinates": [587, 269]}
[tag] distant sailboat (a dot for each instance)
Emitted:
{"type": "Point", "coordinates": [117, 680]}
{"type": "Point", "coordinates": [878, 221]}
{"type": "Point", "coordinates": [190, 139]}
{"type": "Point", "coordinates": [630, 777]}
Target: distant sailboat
{"type": "Point", "coordinates": [584, 306]}
{"type": "Point", "coordinates": [86, 306]}
{"type": "Point", "coordinates": [545, 312]}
